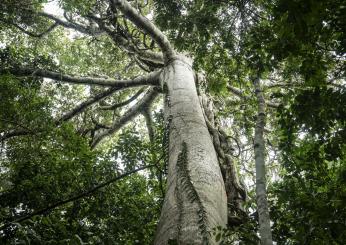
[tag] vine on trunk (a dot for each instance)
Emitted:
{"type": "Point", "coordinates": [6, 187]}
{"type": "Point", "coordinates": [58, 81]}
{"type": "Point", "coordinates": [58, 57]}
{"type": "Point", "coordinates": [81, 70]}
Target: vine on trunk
{"type": "Point", "coordinates": [165, 142]}
{"type": "Point", "coordinates": [235, 190]}
{"type": "Point", "coordinates": [167, 128]}
{"type": "Point", "coordinates": [185, 185]}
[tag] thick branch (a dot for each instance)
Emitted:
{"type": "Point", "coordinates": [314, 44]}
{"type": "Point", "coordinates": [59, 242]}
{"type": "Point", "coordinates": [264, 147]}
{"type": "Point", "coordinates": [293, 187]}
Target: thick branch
{"type": "Point", "coordinates": [79, 108]}
{"type": "Point", "coordinates": [134, 111]}
{"type": "Point", "coordinates": [148, 27]}
{"type": "Point", "coordinates": [74, 198]}
{"type": "Point", "coordinates": [149, 79]}
{"type": "Point", "coordinates": [144, 54]}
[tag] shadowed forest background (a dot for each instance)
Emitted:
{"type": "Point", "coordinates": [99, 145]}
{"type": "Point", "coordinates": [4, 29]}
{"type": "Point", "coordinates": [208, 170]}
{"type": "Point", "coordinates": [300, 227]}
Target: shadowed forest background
{"type": "Point", "coordinates": [93, 149]}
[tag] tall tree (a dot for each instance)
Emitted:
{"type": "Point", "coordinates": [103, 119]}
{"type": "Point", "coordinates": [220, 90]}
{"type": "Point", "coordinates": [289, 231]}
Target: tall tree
{"type": "Point", "coordinates": [195, 200]}
{"type": "Point", "coordinates": [259, 148]}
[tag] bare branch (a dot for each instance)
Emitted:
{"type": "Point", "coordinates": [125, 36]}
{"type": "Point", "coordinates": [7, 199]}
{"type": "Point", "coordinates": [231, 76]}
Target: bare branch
{"type": "Point", "coordinates": [32, 34]}
{"type": "Point", "coordinates": [148, 79]}
{"type": "Point", "coordinates": [97, 124]}
{"type": "Point", "coordinates": [126, 102]}
{"type": "Point", "coordinates": [134, 111]}
{"type": "Point", "coordinates": [82, 106]}
{"type": "Point", "coordinates": [75, 111]}
{"type": "Point", "coordinates": [80, 28]}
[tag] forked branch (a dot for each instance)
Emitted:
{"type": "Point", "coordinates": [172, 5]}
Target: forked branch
{"type": "Point", "coordinates": [126, 102]}
{"type": "Point", "coordinates": [134, 111]}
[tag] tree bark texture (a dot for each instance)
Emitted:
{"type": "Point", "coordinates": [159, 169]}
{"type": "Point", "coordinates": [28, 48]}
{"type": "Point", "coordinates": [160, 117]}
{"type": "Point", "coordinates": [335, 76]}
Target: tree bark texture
{"type": "Point", "coordinates": [259, 148]}
{"type": "Point", "coordinates": [195, 200]}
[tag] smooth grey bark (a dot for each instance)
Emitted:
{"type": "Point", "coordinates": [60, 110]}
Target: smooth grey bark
{"type": "Point", "coordinates": [148, 79]}
{"type": "Point", "coordinates": [259, 148]}
{"type": "Point", "coordinates": [195, 200]}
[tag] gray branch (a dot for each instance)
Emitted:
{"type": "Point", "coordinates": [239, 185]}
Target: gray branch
{"type": "Point", "coordinates": [148, 79]}
{"type": "Point", "coordinates": [82, 106]}
{"type": "Point", "coordinates": [148, 55]}
{"type": "Point", "coordinates": [70, 25]}
{"type": "Point", "coordinates": [126, 102]}
{"type": "Point", "coordinates": [134, 111]}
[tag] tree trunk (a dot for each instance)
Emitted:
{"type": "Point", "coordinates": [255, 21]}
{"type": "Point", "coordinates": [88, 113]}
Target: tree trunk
{"type": "Point", "coordinates": [195, 200]}
{"type": "Point", "coordinates": [259, 148]}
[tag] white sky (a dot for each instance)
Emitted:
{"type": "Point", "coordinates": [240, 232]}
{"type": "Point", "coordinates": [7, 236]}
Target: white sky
{"type": "Point", "coordinates": [53, 8]}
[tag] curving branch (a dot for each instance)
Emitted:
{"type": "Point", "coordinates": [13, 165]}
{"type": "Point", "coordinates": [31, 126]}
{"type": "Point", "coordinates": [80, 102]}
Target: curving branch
{"type": "Point", "coordinates": [116, 85]}
{"type": "Point", "coordinates": [82, 106]}
{"type": "Point", "coordinates": [126, 102]}
{"type": "Point", "coordinates": [148, 79]}
{"type": "Point", "coordinates": [32, 34]}
{"type": "Point", "coordinates": [71, 25]}
{"type": "Point", "coordinates": [94, 30]}
{"type": "Point", "coordinates": [74, 198]}
{"type": "Point", "coordinates": [143, 23]}
{"type": "Point", "coordinates": [134, 111]}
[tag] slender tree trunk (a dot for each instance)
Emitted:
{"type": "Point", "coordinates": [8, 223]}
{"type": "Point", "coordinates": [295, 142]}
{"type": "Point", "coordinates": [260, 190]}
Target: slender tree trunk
{"type": "Point", "coordinates": [259, 148]}
{"type": "Point", "coordinates": [195, 200]}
